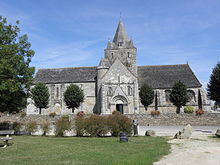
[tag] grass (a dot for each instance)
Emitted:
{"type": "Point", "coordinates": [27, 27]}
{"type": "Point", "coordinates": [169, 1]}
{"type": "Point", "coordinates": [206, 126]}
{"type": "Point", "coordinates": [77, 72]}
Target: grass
{"type": "Point", "coordinates": [37, 150]}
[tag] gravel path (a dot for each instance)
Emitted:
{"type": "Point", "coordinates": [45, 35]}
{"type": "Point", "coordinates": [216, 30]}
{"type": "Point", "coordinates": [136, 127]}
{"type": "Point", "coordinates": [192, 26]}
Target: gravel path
{"type": "Point", "coordinates": [200, 149]}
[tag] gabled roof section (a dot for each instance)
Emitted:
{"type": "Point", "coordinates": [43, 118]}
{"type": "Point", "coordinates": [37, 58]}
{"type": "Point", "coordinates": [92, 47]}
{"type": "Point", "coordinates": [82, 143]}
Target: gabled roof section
{"type": "Point", "coordinates": [121, 34]}
{"type": "Point", "coordinates": [165, 76]}
{"type": "Point", "coordinates": [66, 75]}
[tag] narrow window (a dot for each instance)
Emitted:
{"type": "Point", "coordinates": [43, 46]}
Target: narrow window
{"type": "Point", "coordinates": [129, 91]}
{"type": "Point", "coordinates": [112, 55]}
{"type": "Point", "coordinates": [129, 55]}
{"type": "Point", "coordinates": [109, 91]}
{"type": "Point", "coordinates": [120, 43]}
{"type": "Point", "coordinates": [57, 92]}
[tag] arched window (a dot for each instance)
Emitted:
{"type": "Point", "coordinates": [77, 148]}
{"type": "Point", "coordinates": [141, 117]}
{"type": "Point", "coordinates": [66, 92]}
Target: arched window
{"type": "Point", "coordinates": [110, 91]}
{"type": "Point", "coordinates": [191, 96]}
{"type": "Point", "coordinates": [167, 95]}
{"type": "Point", "coordinates": [112, 55]}
{"type": "Point", "coordinates": [129, 91]}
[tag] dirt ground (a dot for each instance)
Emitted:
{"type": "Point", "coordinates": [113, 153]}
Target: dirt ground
{"type": "Point", "coordinates": [200, 149]}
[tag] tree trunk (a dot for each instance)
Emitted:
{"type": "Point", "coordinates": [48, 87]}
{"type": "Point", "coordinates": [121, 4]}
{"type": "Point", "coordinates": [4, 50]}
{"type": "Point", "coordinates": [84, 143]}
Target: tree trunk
{"type": "Point", "coordinates": [72, 110]}
{"type": "Point", "coordinates": [40, 111]}
{"type": "Point", "coordinates": [145, 107]}
{"type": "Point", "coordinates": [178, 110]}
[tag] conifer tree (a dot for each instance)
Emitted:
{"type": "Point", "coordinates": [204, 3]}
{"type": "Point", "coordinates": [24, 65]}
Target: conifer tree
{"type": "Point", "coordinates": [156, 103]}
{"type": "Point", "coordinates": [214, 84]}
{"type": "Point", "coordinates": [199, 100]}
{"type": "Point", "coordinates": [146, 95]}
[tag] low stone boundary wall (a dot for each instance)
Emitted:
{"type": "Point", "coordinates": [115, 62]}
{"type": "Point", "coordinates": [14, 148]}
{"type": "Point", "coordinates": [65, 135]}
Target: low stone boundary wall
{"type": "Point", "coordinates": [170, 119]}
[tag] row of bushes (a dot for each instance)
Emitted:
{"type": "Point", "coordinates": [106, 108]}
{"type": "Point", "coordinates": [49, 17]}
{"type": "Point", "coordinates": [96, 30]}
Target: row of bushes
{"type": "Point", "coordinates": [94, 125]}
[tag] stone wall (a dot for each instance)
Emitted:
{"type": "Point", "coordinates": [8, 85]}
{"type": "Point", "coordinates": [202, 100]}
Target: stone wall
{"type": "Point", "coordinates": [171, 119]}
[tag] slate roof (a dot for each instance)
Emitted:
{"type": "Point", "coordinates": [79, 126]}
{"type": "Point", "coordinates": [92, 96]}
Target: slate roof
{"type": "Point", "coordinates": [165, 76]}
{"type": "Point", "coordinates": [159, 76]}
{"type": "Point", "coordinates": [120, 34]}
{"type": "Point", "coordinates": [66, 75]}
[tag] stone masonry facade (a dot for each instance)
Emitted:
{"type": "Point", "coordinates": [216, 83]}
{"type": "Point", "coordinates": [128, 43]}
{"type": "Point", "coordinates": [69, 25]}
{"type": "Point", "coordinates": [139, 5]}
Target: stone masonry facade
{"type": "Point", "coordinates": [114, 84]}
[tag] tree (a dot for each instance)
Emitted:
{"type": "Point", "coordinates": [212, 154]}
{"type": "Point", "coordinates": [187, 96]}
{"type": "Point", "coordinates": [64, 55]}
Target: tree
{"type": "Point", "coordinates": [214, 84]}
{"type": "Point", "coordinates": [146, 95]}
{"type": "Point", "coordinates": [199, 100]}
{"type": "Point", "coordinates": [15, 73]}
{"type": "Point", "coordinates": [178, 95]}
{"type": "Point", "coordinates": [73, 96]}
{"type": "Point", "coordinates": [40, 95]}
{"type": "Point", "coordinates": [155, 101]}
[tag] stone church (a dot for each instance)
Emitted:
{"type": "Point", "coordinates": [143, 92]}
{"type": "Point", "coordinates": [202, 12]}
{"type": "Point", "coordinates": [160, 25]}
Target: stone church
{"type": "Point", "coordinates": [114, 84]}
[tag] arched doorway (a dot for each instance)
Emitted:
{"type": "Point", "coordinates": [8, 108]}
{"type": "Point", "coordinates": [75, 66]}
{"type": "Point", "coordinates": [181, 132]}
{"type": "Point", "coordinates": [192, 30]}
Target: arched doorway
{"type": "Point", "coordinates": [120, 102]}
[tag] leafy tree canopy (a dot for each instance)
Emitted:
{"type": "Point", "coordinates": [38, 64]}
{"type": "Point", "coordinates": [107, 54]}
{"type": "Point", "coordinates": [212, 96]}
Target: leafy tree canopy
{"type": "Point", "coordinates": [40, 95]}
{"type": "Point", "coordinates": [214, 84]}
{"type": "Point", "coordinates": [146, 95]}
{"type": "Point", "coordinates": [73, 96]}
{"type": "Point", "coordinates": [178, 95]}
{"type": "Point", "coordinates": [15, 73]}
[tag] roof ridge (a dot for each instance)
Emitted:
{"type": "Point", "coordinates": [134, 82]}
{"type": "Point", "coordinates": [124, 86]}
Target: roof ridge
{"type": "Point", "coordinates": [161, 65]}
{"type": "Point", "coordinates": [68, 68]}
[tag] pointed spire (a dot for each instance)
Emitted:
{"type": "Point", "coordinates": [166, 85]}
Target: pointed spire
{"type": "Point", "coordinates": [120, 35]}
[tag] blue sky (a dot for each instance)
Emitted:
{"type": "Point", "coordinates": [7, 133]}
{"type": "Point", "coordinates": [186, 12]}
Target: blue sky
{"type": "Point", "coordinates": [71, 33]}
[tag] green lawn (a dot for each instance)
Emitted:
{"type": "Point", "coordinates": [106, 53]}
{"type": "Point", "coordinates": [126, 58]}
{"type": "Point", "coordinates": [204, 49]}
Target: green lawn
{"type": "Point", "coordinates": [83, 151]}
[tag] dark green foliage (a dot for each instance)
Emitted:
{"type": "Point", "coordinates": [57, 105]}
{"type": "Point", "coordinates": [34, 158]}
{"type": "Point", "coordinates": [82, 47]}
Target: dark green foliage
{"type": "Point", "coordinates": [214, 84]}
{"type": "Point", "coordinates": [40, 95]}
{"type": "Point", "coordinates": [156, 103]}
{"type": "Point", "coordinates": [178, 95]}
{"type": "Point", "coordinates": [63, 124]}
{"type": "Point", "coordinates": [119, 123]}
{"type": "Point", "coordinates": [5, 125]}
{"type": "Point", "coordinates": [199, 100]}
{"type": "Point", "coordinates": [146, 95]}
{"type": "Point", "coordinates": [73, 96]}
{"type": "Point", "coordinates": [15, 73]}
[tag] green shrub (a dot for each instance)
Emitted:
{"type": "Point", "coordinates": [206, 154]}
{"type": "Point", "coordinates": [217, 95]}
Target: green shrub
{"type": "Point", "coordinates": [52, 114]}
{"type": "Point", "coordinates": [62, 125]}
{"type": "Point", "coordinates": [23, 114]}
{"type": "Point", "coordinates": [5, 125]}
{"type": "Point", "coordinates": [45, 125]}
{"type": "Point", "coordinates": [80, 125]}
{"type": "Point", "coordinates": [16, 126]}
{"type": "Point", "coordinates": [188, 109]}
{"type": "Point", "coordinates": [31, 127]}
{"type": "Point", "coordinates": [119, 123]}
{"type": "Point", "coordinates": [96, 125]}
